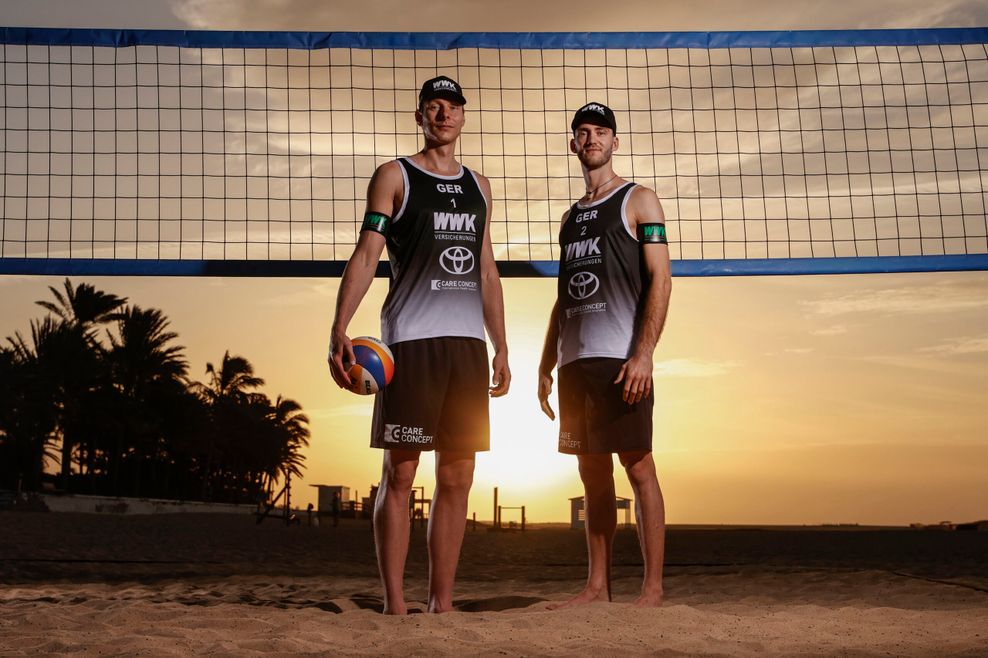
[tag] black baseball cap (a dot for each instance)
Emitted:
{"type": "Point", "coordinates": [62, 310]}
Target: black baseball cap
{"type": "Point", "coordinates": [597, 114]}
{"type": "Point", "coordinates": [441, 87]}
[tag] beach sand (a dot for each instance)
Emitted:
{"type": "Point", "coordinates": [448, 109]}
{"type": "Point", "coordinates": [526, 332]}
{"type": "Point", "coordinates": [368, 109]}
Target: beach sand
{"type": "Point", "coordinates": [183, 583]}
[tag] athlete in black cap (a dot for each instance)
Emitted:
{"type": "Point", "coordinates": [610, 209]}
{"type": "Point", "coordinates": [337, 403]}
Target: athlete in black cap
{"type": "Point", "coordinates": [432, 213]}
{"type": "Point", "coordinates": [612, 297]}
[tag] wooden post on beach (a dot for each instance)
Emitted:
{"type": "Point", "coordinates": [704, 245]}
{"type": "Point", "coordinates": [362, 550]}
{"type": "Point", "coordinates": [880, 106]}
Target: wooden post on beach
{"type": "Point", "coordinates": [497, 512]}
{"type": "Point", "coordinates": [474, 522]}
{"type": "Point", "coordinates": [288, 498]}
{"type": "Point", "coordinates": [523, 518]}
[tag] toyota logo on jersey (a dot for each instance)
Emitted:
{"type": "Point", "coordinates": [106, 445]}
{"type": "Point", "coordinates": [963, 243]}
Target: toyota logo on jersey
{"type": "Point", "coordinates": [583, 285]}
{"type": "Point", "coordinates": [457, 260]}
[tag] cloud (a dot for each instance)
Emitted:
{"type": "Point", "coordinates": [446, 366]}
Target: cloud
{"type": "Point", "coordinates": [355, 409]}
{"type": "Point", "coordinates": [19, 279]}
{"type": "Point", "coordinates": [970, 345]}
{"type": "Point", "coordinates": [906, 300]}
{"type": "Point", "coordinates": [927, 364]}
{"type": "Point", "coordinates": [692, 368]}
{"type": "Point", "coordinates": [576, 15]}
{"type": "Point", "coordinates": [834, 330]}
{"type": "Point", "coordinates": [322, 294]}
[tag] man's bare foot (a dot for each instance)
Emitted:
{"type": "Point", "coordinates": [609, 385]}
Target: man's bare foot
{"type": "Point", "coordinates": [437, 608]}
{"type": "Point", "coordinates": [583, 598]}
{"type": "Point", "coordinates": [649, 600]}
{"type": "Point", "coordinates": [397, 609]}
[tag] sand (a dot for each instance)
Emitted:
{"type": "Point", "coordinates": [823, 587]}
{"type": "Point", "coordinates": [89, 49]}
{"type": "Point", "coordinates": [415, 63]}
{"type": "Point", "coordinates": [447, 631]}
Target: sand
{"type": "Point", "coordinates": [192, 584]}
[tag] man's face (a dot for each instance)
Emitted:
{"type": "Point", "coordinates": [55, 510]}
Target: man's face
{"type": "Point", "coordinates": [441, 120]}
{"type": "Point", "coordinates": [593, 144]}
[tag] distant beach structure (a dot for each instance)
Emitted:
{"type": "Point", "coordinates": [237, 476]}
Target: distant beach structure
{"type": "Point", "coordinates": [977, 526]}
{"type": "Point", "coordinates": [577, 507]}
{"type": "Point", "coordinates": [326, 494]}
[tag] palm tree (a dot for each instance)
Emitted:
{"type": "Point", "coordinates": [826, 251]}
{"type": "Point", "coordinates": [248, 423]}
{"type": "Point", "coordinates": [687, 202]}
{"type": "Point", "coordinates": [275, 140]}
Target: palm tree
{"type": "Point", "coordinates": [257, 448]}
{"type": "Point", "coordinates": [140, 354]}
{"type": "Point", "coordinates": [146, 372]}
{"type": "Point", "coordinates": [124, 405]}
{"type": "Point", "coordinates": [292, 426]}
{"type": "Point", "coordinates": [186, 428]}
{"type": "Point", "coordinates": [272, 447]}
{"type": "Point", "coordinates": [79, 310]}
{"type": "Point", "coordinates": [228, 394]}
{"type": "Point", "coordinates": [83, 305]}
{"type": "Point", "coordinates": [292, 434]}
{"type": "Point", "coordinates": [233, 380]}
{"type": "Point", "coordinates": [29, 404]}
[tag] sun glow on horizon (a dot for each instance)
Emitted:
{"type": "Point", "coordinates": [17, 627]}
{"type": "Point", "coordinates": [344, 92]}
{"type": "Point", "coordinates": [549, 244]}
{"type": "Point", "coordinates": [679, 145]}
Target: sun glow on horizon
{"type": "Point", "coordinates": [762, 413]}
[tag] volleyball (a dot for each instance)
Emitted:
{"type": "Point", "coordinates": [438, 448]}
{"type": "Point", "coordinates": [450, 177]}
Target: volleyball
{"type": "Point", "coordinates": [374, 366]}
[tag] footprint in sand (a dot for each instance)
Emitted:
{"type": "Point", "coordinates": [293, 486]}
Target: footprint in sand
{"type": "Point", "coordinates": [497, 603]}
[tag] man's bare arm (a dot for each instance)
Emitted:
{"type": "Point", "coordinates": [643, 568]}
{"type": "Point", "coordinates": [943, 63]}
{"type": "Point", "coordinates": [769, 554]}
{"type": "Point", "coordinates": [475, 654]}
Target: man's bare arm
{"type": "Point", "coordinates": [385, 187]}
{"type": "Point", "coordinates": [549, 353]}
{"type": "Point", "coordinates": [493, 300]}
{"type": "Point", "coordinates": [548, 361]}
{"type": "Point", "coordinates": [636, 373]}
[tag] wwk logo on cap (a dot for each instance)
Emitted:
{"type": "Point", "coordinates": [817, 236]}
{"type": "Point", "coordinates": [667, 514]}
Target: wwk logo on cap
{"type": "Point", "coordinates": [441, 86]}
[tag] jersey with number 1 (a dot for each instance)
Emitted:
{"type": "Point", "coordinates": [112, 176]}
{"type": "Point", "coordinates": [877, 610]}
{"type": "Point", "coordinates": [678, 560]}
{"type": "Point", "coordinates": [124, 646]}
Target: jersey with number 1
{"type": "Point", "coordinates": [434, 244]}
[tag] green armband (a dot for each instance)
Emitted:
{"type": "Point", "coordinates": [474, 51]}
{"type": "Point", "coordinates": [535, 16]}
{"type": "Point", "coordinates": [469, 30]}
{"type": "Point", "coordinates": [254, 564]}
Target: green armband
{"type": "Point", "coordinates": [375, 221]}
{"type": "Point", "coordinates": [652, 234]}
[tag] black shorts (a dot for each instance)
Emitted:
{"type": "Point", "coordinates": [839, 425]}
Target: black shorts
{"type": "Point", "coordinates": [438, 399]}
{"type": "Point", "coordinates": [593, 419]}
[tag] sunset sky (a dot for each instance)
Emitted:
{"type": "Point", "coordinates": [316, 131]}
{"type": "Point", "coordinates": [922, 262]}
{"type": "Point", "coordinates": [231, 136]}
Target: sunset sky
{"type": "Point", "coordinates": [779, 400]}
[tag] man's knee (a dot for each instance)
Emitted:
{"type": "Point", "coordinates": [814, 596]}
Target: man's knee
{"type": "Point", "coordinates": [459, 481]}
{"type": "Point", "coordinates": [639, 466]}
{"type": "Point", "coordinates": [455, 473]}
{"type": "Point", "coordinates": [399, 474]}
{"type": "Point", "coordinates": [596, 469]}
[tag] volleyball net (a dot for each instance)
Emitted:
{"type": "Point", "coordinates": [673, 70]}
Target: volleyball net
{"type": "Point", "coordinates": [248, 153]}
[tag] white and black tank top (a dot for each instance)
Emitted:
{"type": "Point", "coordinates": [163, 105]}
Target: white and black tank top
{"type": "Point", "coordinates": [434, 244]}
{"type": "Point", "coordinates": [600, 280]}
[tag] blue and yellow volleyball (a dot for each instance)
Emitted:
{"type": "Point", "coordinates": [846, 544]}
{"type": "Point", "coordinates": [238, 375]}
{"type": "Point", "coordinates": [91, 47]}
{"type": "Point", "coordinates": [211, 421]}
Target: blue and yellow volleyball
{"type": "Point", "coordinates": [374, 366]}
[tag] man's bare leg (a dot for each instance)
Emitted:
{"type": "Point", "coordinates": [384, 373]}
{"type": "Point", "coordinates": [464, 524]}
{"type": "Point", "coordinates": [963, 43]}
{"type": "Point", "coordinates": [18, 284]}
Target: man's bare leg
{"type": "Point", "coordinates": [650, 519]}
{"type": "Point", "coordinates": [391, 525]}
{"type": "Point", "coordinates": [447, 521]}
{"type": "Point", "coordinates": [600, 516]}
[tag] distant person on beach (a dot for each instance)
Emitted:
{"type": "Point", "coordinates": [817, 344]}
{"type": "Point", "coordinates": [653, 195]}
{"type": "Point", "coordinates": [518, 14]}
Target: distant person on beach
{"type": "Point", "coordinates": [433, 214]}
{"type": "Point", "coordinates": [612, 297]}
